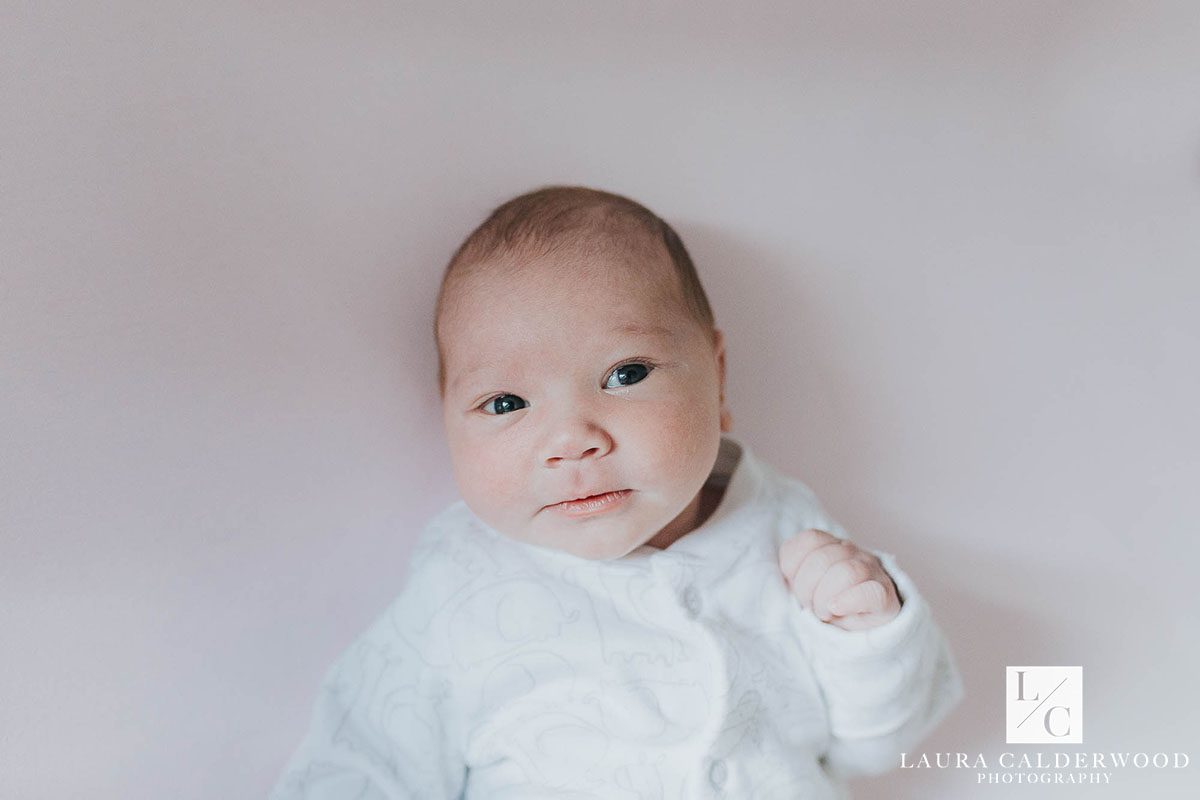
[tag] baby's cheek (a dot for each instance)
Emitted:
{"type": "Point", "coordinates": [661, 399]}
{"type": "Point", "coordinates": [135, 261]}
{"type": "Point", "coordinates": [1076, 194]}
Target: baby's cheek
{"type": "Point", "coordinates": [681, 437]}
{"type": "Point", "coordinates": [485, 484]}
{"type": "Point", "coordinates": [498, 485]}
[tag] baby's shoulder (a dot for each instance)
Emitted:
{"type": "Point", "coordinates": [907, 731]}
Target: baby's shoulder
{"type": "Point", "coordinates": [448, 558]}
{"type": "Point", "coordinates": [454, 541]}
{"type": "Point", "coordinates": [456, 550]}
{"type": "Point", "coordinates": [793, 502]}
{"type": "Point", "coordinates": [459, 572]}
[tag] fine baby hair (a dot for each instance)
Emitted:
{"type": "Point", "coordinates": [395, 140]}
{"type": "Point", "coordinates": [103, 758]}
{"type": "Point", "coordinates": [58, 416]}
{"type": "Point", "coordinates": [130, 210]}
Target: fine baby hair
{"type": "Point", "coordinates": [557, 218]}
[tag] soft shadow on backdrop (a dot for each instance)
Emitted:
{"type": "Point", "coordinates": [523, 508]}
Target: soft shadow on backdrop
{"type": "Point", "coordinates": [953, 248]}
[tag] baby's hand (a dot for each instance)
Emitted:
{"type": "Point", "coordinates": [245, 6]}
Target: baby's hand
{"type": "Point", "coordinates": [842, 584]}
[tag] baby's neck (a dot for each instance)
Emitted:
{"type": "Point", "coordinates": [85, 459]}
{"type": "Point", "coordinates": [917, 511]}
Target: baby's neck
{"type": "Point", "coordinates": [706, 500]}
{"type": "Point", "coordinates": [710, 498]}
{"type": "Point", "coordinates": [692, 517]}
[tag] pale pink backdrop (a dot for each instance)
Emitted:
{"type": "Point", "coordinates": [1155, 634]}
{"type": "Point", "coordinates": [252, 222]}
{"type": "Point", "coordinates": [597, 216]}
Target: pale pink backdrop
{"type": "Point", "coordinates": [955, 248]}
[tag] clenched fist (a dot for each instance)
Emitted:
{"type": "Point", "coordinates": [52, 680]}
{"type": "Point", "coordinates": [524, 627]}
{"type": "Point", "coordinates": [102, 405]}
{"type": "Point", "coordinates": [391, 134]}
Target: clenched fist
{"type": "Point", "coordinates": [842, 584]}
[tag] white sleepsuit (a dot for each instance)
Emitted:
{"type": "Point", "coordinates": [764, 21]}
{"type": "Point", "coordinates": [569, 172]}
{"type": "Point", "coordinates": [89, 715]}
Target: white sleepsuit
{"type": "Point", "coordinates": [506, 670]}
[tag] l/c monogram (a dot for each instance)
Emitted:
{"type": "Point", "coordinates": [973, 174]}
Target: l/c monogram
{"type": "Point", "coordinates": [1049, 711]}
{"type": "Point", "coordinates": [1045, 704]}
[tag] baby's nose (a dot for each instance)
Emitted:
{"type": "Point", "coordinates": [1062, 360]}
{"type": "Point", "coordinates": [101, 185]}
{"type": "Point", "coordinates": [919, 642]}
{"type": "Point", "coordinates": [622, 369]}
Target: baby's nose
{"type": "Point", "coordinates": [576, 440]}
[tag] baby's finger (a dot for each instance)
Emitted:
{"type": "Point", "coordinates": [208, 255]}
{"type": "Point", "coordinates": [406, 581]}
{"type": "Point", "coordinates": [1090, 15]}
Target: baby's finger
{"type": "Point", "coordinates": [842, 576]}
{"type": "Point", "coordinates": [814, 569]}
{"type": "Point", "coordinates": [856, 622]}
{"type": "Point", "coordinates": [868, 597]}
{"type": "Point", "coordinates": [793, 552]}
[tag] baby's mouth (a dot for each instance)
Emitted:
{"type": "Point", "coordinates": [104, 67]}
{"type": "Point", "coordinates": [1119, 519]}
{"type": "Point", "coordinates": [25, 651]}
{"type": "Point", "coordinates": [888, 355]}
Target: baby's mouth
{"type": "Point", "coordinates": [591, 504]}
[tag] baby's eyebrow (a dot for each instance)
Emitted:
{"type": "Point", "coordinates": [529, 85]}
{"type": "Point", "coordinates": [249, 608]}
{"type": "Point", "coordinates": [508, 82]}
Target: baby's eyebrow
{"type": "Point", "coordinates": [461, 377]}
{"type": "Point", "coordinates": [628, 329]}
{"type": "Point", "coordinates": [641, 329]}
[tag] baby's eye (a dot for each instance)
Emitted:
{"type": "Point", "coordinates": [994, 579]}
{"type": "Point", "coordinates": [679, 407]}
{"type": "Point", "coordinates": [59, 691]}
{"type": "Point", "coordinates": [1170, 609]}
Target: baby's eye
{"type": "Point", "coordinates": [503, 404]}
{"type": "Point", "coordinates": [627, 375]}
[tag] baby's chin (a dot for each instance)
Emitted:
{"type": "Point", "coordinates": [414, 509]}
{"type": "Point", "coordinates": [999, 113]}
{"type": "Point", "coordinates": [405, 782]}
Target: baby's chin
{"type": "Point", "coordinates": [595, 543]}
{"type": "Point", "coordinates": [598, 548]}
{"type": "Point", "coordinates": [605, 550]}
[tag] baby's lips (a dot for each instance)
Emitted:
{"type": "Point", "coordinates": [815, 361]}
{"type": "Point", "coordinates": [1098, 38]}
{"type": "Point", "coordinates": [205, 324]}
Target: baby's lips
{"type": "Point", "coordinates": [596, 493]}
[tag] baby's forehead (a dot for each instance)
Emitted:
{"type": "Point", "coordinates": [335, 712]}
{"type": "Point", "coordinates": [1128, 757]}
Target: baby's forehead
{"type": "Point", "coordinates": [564, 296]}
{"type": "Point", "coordinates": [588, 265]}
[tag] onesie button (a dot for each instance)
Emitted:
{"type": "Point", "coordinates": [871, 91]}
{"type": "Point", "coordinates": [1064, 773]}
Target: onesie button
{"type": "Point", "coordinates": [691, 601]}
{"type": "Point", "coordinates": [717, 774]}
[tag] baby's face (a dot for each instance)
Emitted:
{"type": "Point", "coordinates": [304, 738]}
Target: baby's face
{"type": "Point", "coordinates": [580, 377]}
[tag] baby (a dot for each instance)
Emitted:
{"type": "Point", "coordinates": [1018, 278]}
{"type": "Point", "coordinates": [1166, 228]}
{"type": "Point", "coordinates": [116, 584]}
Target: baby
{"type": "Point", "coordinates": [627, 603]}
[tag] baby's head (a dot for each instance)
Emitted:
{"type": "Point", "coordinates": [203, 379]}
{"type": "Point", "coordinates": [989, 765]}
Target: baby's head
{"type": "Point", "coordinates": [578, 358]}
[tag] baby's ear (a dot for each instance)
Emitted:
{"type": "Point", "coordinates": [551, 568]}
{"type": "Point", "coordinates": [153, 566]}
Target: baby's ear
{"type": "Point", "coordinates": [719, 348]}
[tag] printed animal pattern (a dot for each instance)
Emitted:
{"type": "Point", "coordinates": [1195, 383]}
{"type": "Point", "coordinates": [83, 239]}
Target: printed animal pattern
{"type": "Point", "coordinates": [504, 670]}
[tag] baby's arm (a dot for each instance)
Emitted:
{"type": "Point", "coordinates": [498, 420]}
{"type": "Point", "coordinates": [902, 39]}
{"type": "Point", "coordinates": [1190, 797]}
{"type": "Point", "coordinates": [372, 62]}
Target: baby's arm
{"type": "Point", "coordinates": [886, 672]}
{"type": "Point", "coordinates": [385, 724]}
